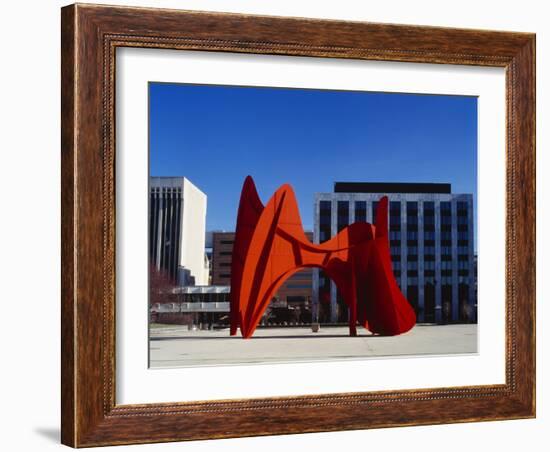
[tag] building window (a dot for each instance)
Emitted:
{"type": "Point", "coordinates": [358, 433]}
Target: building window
{"type": "Point", "coordinates": [429, 235]}
{"type": "Point", "coordinates": [412, 208]}
{"type": "Point", "coordinates": [412, 235]}
{"type": "Point", "coordinates": [395, 215]}
{"type": "Point", "coordinates": [395, 207]}
{"type": "Point", "coordinates": [325, 212]}
{"type": "Point", "coordinates": [462, 235]}
{"type": "Point", "coordinates": [412, 216]}
{"type": "Point", "coordinates": [462, 208]}
{"type": "Point", "coordinates": [343, 214]}
{"type": "Point", "coordinates": [446, 235]}
{"type": "Point", "coordinates": [429, 208]}
{"type": "Point", "coordinates": [324, 221]}
{"type": "Point", "coordinates": [395, 235]}
{"type": "Point", "coordinates": [360, 211]}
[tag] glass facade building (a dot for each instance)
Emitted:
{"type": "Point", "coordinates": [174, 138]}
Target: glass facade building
{"type": "Point", "coordinates": [431, 234]}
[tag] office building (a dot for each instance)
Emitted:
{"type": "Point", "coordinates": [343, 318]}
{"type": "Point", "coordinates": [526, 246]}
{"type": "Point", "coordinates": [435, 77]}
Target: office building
{"type": "Point", "coordinates": [222, 249]}
{"type": "Point", "coordinates": [177, 222]}
{"type": "Point", "coordinates": [431, 233]}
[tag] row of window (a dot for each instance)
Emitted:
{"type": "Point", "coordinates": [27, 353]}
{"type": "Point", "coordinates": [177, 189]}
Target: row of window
{"type": "Point", "coordinates": [343, 217]}
{"type": "Point", "coordinates": [411, 281]}
{"type": "Point", "coordinates": [444, 236]}
{"type": "Point", "coordinates": [446, 266]}
{"type": "Point", "coordinates": [395, 207]}
{"type": "Point", "coordinates": [165, 190]}
{"type": "Point", "coordinates": [445, 280]}
{"type": "Point", "coordinates": [446, 250]}
{"type": "Point", "coordinates": [429, 250]}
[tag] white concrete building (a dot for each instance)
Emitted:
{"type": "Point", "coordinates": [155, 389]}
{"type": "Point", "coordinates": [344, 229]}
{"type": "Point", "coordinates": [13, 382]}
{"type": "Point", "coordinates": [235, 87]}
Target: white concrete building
{"type": "Point", "coordinates": [177, 225]}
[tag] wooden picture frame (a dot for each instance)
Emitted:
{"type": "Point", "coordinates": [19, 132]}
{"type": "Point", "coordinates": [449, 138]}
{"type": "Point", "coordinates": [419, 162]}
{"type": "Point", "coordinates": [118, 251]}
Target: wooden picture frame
{"type": "Point", "coordinates": [90, 36]}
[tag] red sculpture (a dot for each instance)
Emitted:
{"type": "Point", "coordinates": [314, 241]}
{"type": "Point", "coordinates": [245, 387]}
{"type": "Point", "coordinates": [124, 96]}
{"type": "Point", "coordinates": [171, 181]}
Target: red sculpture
{"type": "Point", "coordinates": [270, 245]}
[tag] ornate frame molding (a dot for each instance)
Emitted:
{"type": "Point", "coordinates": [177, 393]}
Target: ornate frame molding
{"type": "Point", "coordinates": [90, 36]}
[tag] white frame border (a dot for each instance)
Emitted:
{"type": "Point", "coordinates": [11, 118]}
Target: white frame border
{"type": "Point", "coordinates": [135, 383]}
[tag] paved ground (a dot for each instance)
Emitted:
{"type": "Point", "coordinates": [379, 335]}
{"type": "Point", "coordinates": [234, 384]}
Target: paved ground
{"type": "Point", "coordinates": [175, 346]}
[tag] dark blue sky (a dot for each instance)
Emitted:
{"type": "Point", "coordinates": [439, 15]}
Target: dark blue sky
{"type": "Point", "coordinates": [217, 135]}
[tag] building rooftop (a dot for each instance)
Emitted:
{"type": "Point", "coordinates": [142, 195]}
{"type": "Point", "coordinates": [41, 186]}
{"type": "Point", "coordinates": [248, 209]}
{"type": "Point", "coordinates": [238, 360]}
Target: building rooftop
{"type": "Point", "coordinates": [390, 187]}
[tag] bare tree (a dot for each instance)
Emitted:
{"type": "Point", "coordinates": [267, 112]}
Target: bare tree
{"type": "Point", "coordinates": [160, 286]}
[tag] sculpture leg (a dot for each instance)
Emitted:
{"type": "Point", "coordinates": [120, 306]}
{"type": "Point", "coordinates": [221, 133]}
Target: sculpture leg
{"type": "Point", "coordinates": [352, 323]}
{"type": "Point", "coordinates": [352, 297]}
{"type": "Point", "coordinates": [233, 323]}
{"type": "Point", "coordinates": [353, 309]}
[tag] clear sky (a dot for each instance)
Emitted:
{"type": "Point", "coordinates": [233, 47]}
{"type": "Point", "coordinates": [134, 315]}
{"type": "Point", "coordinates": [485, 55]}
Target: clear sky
{"type": "Point", "coordinates": [217, 135]}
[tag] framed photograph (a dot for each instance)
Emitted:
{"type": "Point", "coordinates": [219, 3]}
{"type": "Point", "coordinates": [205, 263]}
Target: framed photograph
{"type": "Point", "coordinates": [281, 225]}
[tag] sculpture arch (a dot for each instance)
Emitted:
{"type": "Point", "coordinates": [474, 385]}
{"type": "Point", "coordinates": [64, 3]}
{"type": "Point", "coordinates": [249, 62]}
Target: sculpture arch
{"type": "Point", "coordinates": [270, 245]}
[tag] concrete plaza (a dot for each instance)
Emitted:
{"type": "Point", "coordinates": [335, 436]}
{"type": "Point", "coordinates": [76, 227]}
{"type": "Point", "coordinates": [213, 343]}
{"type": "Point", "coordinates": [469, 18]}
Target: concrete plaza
{"type": "Point", "coordinates": [176, 346]}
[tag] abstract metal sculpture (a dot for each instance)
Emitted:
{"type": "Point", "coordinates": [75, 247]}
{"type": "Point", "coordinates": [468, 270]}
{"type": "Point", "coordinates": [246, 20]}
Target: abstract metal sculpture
{"type": "Point", "coordinates": [270, 245]}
